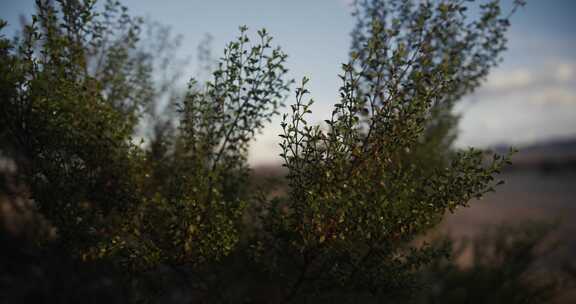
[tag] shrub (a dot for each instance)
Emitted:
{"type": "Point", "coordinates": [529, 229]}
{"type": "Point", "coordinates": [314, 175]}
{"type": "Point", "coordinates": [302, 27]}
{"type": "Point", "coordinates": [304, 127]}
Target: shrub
{"type": "Point", "coordinates": [381, 171]}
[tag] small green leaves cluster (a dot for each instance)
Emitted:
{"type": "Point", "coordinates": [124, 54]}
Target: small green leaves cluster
{"type": "Point", "coordinates": [221, 118]}
{"type": "Point", "coordinates": [382, 171]}
{"type": "Point", "coordinates": [61, 130]}
{"type": "Point", "coordinates": [194, 214]}
{"type": "Point", "coordinates": [432, 43]}
{"type": "Point", "coordinates": [75, 88]}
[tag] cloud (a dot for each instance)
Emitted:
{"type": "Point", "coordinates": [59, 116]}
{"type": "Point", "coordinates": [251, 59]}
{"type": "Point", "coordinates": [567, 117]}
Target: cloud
{"type": "Point", "coordinates": [565, 72]}
{"type": "Point", "coordinates": [548, 83]}
{"type": "Point", "coordinates": [522, 105]}
{"type": "Point", "coordinates": [554, 95]}
{"type": "Point", "coordinates": [507, 80]}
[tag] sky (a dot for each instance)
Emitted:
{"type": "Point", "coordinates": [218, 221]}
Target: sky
{"type": "Point", "coordinates": [529, 98]}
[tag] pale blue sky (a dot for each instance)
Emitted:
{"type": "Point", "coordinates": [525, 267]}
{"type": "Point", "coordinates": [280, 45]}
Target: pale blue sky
{"type": "Point", "coordinates": [530, 97]}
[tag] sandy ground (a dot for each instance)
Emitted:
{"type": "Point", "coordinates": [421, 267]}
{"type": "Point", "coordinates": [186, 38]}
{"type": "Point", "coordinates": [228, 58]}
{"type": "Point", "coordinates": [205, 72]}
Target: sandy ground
{"type": "Point", "coordinates": [527, 195]}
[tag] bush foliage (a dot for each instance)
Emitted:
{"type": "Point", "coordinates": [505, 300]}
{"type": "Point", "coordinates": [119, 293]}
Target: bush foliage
{"type": "Point", "coordinates": [174, 217]}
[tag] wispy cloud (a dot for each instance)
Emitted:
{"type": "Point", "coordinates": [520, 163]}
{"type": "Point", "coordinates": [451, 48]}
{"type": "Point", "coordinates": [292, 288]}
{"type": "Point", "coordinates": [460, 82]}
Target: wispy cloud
{"type": "Point", "coordinates": [522, 105]}
{"type": "Point", "coordinates": [510, 80]}
{"type": "Point", "coordinates": [558, 73]}
{"type": "Point", "coordinates": [549, 83]}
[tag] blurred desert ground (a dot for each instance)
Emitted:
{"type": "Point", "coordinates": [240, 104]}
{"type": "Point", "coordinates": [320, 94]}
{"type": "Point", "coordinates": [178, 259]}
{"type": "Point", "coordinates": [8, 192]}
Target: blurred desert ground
{"type": "Point", "coordinates": [539, 186]}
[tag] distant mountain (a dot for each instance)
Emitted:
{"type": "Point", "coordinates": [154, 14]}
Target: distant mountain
{"type": "Point", "coordinates": [559, 154]}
